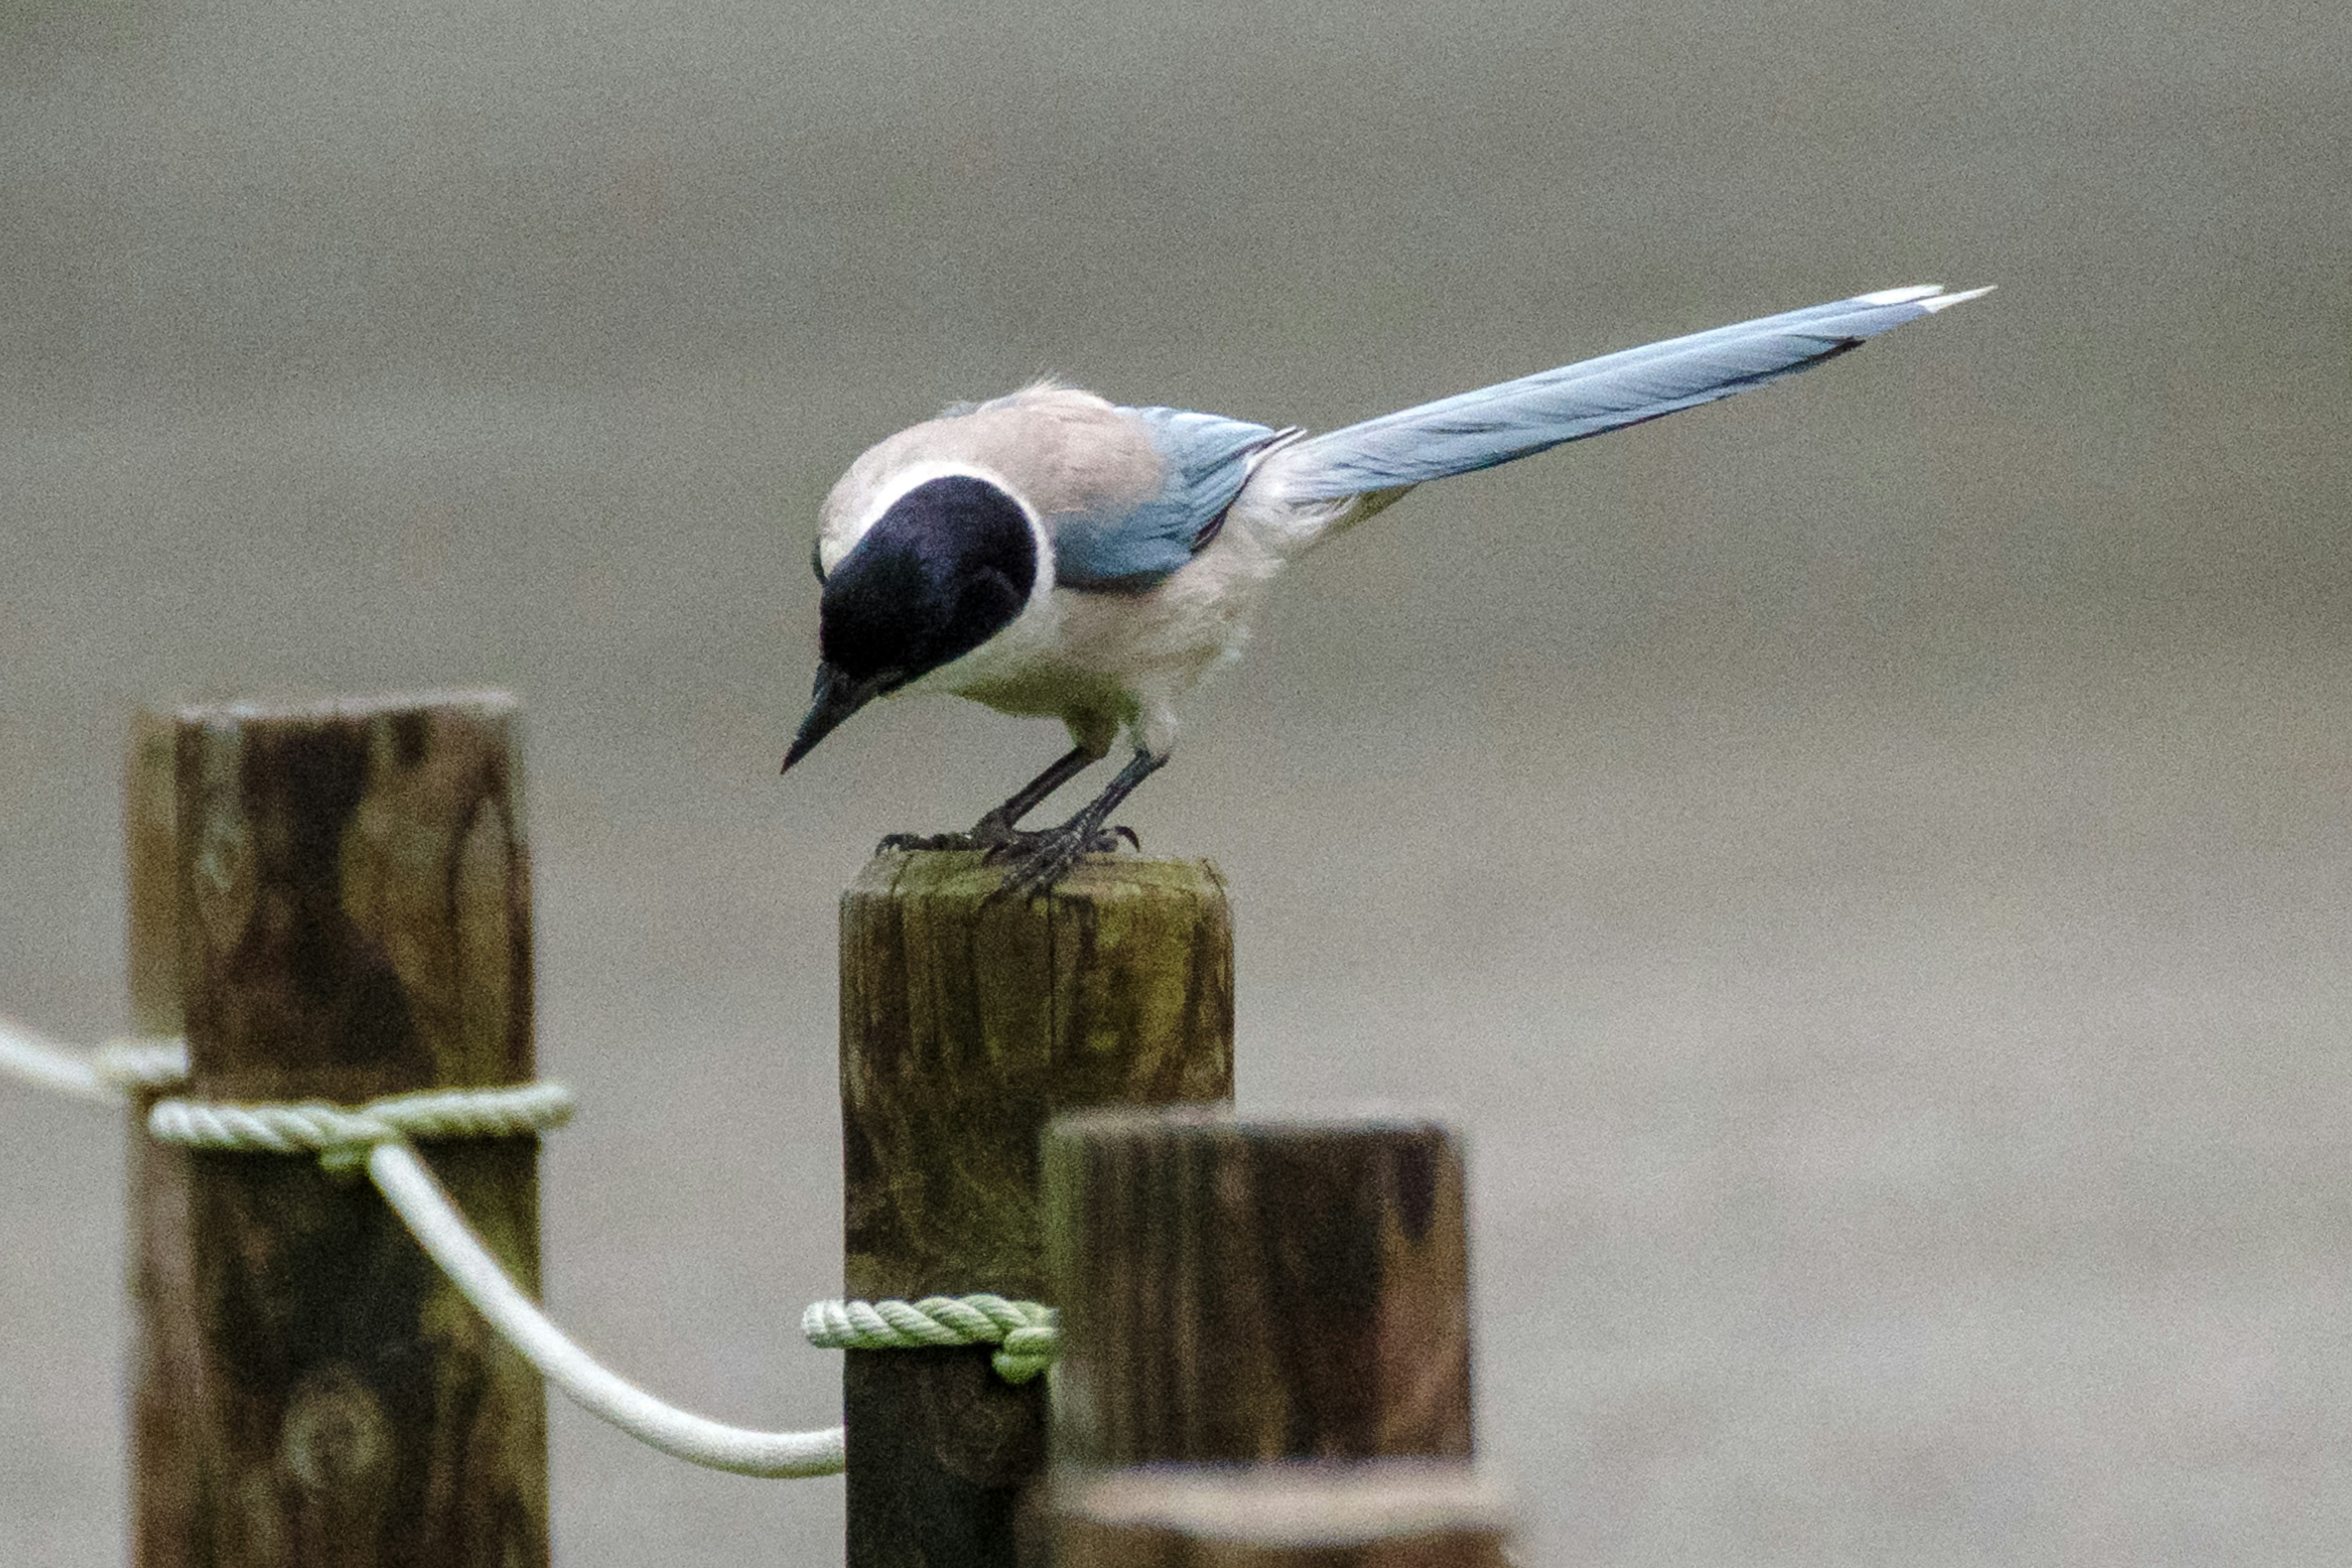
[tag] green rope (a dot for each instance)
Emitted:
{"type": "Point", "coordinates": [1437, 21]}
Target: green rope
{"type": "Point", "coordinates": [1024, 1333]}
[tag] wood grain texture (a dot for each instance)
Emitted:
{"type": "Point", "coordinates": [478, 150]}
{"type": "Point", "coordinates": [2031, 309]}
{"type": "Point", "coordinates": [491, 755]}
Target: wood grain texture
{"type": "Point", "coordinates": [354, 920]}
{"type": "Point", "coordinates": [162, 1271]}
{"type": "Point", "coordinates": [967, 1022]}
{"type": "Point", "coordinates": [1237, 1290]}
{"type": "Point", "coordinates": [1285, 1514]}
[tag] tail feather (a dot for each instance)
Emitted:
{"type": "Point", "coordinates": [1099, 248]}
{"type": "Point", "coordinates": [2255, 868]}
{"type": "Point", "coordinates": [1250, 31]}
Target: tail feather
{"type": "Point", "coordinates": [1517, 418]}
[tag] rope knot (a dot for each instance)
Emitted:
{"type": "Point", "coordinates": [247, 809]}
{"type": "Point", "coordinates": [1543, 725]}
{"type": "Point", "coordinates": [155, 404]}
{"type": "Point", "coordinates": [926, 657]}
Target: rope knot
{"type": "Point", "coordinates": [342, 1137]}
{"type": "Point", "coordinates": [1024, 1333]}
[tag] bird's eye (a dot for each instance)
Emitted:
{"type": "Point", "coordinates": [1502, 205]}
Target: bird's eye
{"type": "Point", "coordinates": [816, 559]}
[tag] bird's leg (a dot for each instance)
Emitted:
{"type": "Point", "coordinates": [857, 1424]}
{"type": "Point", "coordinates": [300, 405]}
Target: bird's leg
{"type": "Point", "coordinates": [999, 827]}
{"type": "Point", "coordinates": [1041, 859]}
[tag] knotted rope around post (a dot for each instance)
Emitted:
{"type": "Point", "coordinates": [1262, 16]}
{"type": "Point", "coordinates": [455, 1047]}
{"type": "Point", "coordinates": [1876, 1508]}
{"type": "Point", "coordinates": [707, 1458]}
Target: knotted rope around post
{"type": "Point", "coordinates": [1025, 1332]}
{"type": "Point", "coordinates": [375, 1137]}
{"type": "Point", "coordinates": [342, 1138]}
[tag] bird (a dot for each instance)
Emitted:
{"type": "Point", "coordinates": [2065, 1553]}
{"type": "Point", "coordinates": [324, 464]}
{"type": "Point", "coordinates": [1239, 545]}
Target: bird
{"type": "Point", "coordinates": [1052, 554]}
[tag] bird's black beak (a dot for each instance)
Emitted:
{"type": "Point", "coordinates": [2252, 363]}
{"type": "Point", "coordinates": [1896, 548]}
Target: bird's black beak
{"type": "Point", "coordinates": [836, 697]}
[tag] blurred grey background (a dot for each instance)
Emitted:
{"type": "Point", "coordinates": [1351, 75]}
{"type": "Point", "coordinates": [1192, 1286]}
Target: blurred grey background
{"type": "Point", "coordinates": [1866, 863]}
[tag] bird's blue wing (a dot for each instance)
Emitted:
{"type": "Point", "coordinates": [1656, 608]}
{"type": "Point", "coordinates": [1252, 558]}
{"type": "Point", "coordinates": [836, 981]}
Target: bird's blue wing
{"type": "Point", "coordinates": [1496, 424]}
{"type": "Point", "coordinates": [1207, 459]}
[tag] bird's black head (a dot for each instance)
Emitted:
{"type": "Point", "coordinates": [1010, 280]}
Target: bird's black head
{"type": "Point", "coordinates": [949, 566]}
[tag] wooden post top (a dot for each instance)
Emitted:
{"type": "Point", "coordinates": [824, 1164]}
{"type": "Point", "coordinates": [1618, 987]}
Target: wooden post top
{"type": "Point", "coordinates": [968, 1020]}
{"type": "Point", "coordinates": [486, 701]}
{"type": "Point", "coordinates": [354, 896]}
{"type": "Point", "coordinates": [1219, 1122]}
{"type": "Point", "coordinates": [345, 890]}
{"type": "Point", "coordinates": [969, 874]}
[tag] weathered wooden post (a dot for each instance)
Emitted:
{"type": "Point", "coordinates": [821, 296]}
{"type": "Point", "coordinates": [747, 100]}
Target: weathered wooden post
{"type": "Point", "coordinates": [354, 920]}
{"type": "Point", "coordinates": [162, 1283]}
{"type": "Point", "coordinates": [968, 1020]}
{"type": "Point", "coordinates": [1265, 1343]}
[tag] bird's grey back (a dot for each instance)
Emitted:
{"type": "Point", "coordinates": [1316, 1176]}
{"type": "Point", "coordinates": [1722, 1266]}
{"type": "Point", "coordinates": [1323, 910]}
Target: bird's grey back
{"type": "Point", "coordinates": [1064, 451]}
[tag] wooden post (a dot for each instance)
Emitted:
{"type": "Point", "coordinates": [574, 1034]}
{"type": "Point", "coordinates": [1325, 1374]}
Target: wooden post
{"type": "Point", "coordinates": [1237, 1290]}
{"type": "Point", "coordinates": [1382, 1514]}
{"type": "Point", "coordinates": [1266, 1345]}
{"type": "Point", "coordinates": [150, 860]}
{"type": "Point", "coordinates": [354, 922]}
{"type": "Point", "coordinates": [967, 1022]}
{"type": "Point", "coordinates": [163, 1280]}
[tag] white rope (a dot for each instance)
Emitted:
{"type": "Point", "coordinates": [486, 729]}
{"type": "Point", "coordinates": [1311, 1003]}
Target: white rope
{"type": "Point", "coordinates": [104, 1075]}
{"type": "Point", "coordinates": [1025, 1332]}
{"type": "Point", "coordinates": [377, 1134]}
{"type": "Point", "coordinates": [446, 1237]}
{"type": "Point", "coordinates": [135, 1063]}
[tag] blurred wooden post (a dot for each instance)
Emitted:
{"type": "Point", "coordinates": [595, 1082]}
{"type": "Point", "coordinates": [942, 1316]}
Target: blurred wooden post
{"type": "Point", "coordinates": [1237, 1290]}
{"type": "Point", "coordinates": [1379, 1513]}
{"type": "Point", "coordinates": [162, 1283]}
{"type": "Point", "coordinates": [353, 920]}
{"type": "Point", "coordinates": [1273, 1318]}
{"type": "Point", "coordinates": [966, 1024]}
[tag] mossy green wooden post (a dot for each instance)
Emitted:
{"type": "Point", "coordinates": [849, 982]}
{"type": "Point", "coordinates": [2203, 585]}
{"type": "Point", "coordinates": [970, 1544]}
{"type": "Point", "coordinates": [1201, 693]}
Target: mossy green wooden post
{"type": "Point", "coordinates": [968, 1020]}
{"type": "Point", "coordinates": [353, 920]}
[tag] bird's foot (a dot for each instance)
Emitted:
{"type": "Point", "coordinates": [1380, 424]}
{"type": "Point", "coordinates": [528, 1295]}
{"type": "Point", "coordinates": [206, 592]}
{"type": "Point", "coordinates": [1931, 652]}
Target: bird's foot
{"type": "Point", "coordinates": [1035, 861]}
{"type": "Point", "coordinates": [897, 842]}
{"type": "Point", "coordinates": [992, 832]}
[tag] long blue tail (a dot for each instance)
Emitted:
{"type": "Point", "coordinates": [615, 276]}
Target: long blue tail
{"type": "Point", "coordinates": [1516, 418]}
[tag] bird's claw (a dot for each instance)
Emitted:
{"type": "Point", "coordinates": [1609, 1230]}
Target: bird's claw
{"type": "Point", "coordinates": [1039, 858]}
{"type": "Point", "coordinates": [898, 843]}
{"type": "Point", "coordinates": [991, 833]}
{"type": "Point", "coordinates": [1038, 861]}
